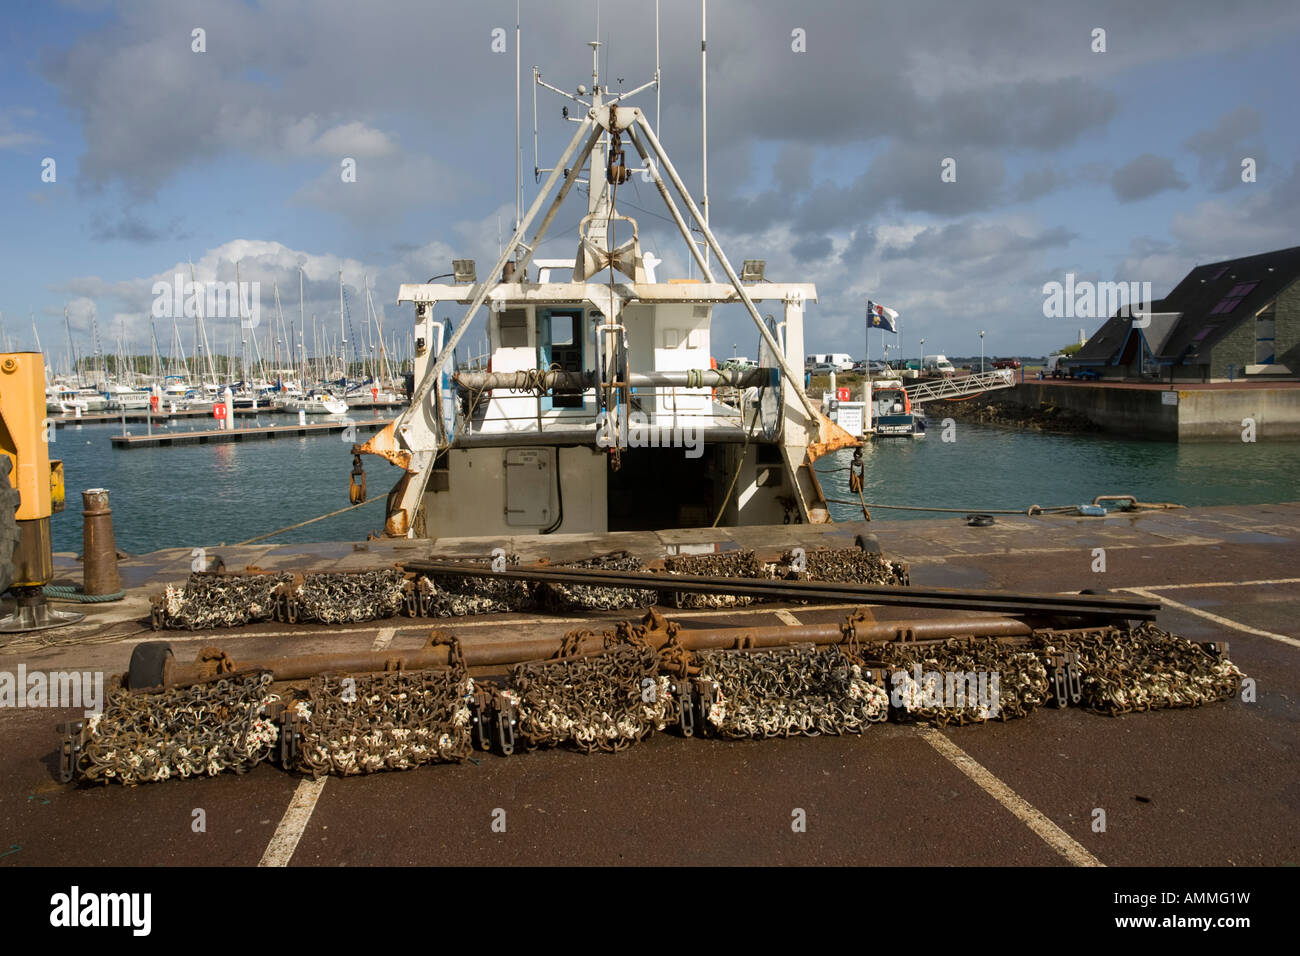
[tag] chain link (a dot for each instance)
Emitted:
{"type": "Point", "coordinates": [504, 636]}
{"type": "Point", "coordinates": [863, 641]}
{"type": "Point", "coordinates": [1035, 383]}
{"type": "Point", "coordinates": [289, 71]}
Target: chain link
{"type": "Point", "coordinates": [943, 695]}
{"type": "Point", "coordinates": [553, 596]}
{"type": "Point", "coordinates": [180, 732]}
{"type": "Point", "coordinates": [390, 721]}
{"type": "Point", "coordinates": [210, 599]}
{"type": "Point", "coordinates": [345, 598]}
{"type": "Point", "coordinates": [784, 691]}
{"type": "Point", "coordinates": [1145, 668]}
{"type": "Point", "coordinates": [605, 701]}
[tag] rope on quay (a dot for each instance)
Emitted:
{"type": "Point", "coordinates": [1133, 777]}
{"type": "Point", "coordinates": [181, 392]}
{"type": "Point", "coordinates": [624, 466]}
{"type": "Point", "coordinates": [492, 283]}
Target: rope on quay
{"type": "Point", "coordinates": [1031, 510]}
{"type": "Point", "coordinates": [70, 592]}
{"type": "Point", "coordinates": [303, 524]}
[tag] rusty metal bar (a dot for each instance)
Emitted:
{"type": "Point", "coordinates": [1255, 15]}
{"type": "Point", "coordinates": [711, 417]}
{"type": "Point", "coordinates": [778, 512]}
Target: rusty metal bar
{"type": "Point", "coordinates": [951, 599]}
{"type": "Point", "coordinates": [211, 665]}
{"type": "Point", "coordinates": [557, 378]}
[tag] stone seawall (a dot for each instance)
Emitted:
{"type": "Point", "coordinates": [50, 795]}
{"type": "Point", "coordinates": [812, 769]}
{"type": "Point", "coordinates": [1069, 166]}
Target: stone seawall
{"type": "Point", "coordinates": [1215, 413]}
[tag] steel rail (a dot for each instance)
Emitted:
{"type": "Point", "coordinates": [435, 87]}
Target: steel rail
{"type": "Point", "coordinates": [954, 599]}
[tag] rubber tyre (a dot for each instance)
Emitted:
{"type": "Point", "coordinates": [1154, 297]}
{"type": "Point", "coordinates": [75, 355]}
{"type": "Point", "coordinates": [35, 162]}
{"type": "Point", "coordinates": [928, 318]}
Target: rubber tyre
{"type": "Point", "coordinates": [8, 524]}
{"type": "Point", "coordinates": [868, 543]}
{"type": "Point", "coordinates": [148, 661]}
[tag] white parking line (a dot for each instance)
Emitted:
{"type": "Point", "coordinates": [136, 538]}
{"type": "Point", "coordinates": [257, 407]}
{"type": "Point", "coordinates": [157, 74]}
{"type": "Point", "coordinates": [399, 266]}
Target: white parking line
{"type": "Point", "coordinates": [786, 617]}
{"type": "Point", "coordinates": [1048, 832]}
{"type": "Point", "coordinates": [1219, 584]}
{"type": "Point", "coordinates": [1214, 617]}
{"type": "Point", "coordinates": [383, 638]}
{"type": "Point", "coordinates": [285, 840]}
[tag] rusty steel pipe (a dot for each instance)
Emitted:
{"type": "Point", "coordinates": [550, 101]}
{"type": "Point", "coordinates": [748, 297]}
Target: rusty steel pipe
{"type": "Point", "coordinates": [507, 653]}
{"type": "Point", "coordinates": [558, 378]}
{"type": "Point", "coordinates": [99, 551]}
{"type": "Point", "coordinates": [310, 665]}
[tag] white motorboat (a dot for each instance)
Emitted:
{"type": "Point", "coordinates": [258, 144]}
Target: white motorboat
{"type": "Point", "coordinates": [316, 403]}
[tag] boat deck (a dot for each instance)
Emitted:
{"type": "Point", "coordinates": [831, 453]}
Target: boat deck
{"type": "Point", "coordinates": [1218, 785]}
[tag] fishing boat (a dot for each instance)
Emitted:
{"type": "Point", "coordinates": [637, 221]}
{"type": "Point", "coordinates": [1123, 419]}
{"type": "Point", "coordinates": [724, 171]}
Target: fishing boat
{"type": "Point", "coordinates": [597, 411]}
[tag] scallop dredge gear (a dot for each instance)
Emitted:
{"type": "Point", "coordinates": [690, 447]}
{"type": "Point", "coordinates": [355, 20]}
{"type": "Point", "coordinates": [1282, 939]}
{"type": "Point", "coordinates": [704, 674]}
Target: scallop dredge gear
{"type": "Point", "coordinates": [217, 599]}
{"type": "Point", "coordinates": [839, 565]}
{"type": "Point", "coordinates": [622, 693]}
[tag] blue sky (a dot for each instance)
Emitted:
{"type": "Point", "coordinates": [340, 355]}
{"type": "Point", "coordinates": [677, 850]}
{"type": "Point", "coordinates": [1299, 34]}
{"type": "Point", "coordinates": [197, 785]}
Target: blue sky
{"type": "Point", "coordinates": [1122, 165]}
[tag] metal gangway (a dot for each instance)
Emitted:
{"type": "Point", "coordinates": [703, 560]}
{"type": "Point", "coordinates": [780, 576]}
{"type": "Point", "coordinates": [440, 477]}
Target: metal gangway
{"type": "Point", "coordinates": [961, 387]}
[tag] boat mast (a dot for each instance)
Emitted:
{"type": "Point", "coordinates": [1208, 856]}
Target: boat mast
{"type": "Point", "coordinates": [343, 335]}
{"type": "Point", "coordinates": [157, 361]}
{"type": "Point", "coordinates": [280, 316]}
{"type": "Point", "coordinates": [302, 333]}
{"type": "Point", "coordinates": [704, 119]}
{"type": "Point", "coordinates": [202, 331]}
{"type": "Point", "coordinates": [72, 349]}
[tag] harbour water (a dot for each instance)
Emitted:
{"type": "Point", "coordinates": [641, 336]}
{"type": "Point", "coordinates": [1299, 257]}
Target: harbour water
{"type": "Point", "coordinates": [205, 495]}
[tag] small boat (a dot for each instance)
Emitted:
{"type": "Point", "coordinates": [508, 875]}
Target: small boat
{"type": "Point", "coordinates": [316, 403]}
{"type": "Point", "coordinates": [892, 412]}
{"type": "Point", "coordinates": [367, 398]}
{"type": "Point", "coordinates": [123, 397]}
{"type": "Point", "coordinates": [85, 399]}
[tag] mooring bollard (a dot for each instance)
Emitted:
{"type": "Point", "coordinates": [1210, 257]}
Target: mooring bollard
{"type": "Point", "coordinates": [302, 417]}
{"type": "Point", "coordinates": [99, 551]}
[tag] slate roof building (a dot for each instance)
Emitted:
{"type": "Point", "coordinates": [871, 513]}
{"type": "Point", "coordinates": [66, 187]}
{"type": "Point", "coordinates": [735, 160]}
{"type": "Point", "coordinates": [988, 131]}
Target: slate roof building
{"type": "Point", "coordinates": [1235, 320]}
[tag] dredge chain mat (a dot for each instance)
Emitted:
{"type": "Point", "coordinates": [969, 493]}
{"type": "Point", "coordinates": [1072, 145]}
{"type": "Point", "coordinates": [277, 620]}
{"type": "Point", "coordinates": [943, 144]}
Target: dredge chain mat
{"type": "Point", "coordinates": [780, 692]}
{"type": "Point", "coordinates": [604, 701]}
{"type": "Point", "coordinates": [181, 732]}
{"type": "Point", "coordinates": [848, 566]}
{"type": "Point", "coordinates": [350, 598]}
{"type": "Point", "coordinates": [209, 600]}
{"type": "Point", "coordinates": [727, 564]}
{"type": "Point", "coordinates": [955, 682]}
{"type": "Point", "coordinates": [839, 565]}
{"type": "Point", "coordinates": [449, 595]}
{"type": "Point", "coordinates": [1147, 669]}
{"type": "Point", "coordinates": [391, 721]}
{"type": "Point", "coordinates": [582, 597]}
{"type": "Point", "coordinates": [453, 596]}
{"type": "Point", "coordinates": [220, 600]}
{"type": "Point", "coordinates": [230, 600]}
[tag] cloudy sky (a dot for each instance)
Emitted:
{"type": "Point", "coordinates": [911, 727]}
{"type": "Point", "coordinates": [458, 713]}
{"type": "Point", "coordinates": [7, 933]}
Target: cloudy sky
{"type": "Point", "coordinates": [1122, 165]}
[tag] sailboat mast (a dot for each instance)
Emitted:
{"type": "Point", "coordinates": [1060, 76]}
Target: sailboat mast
{"type": "Point", "coordinates": [72, 349]}
{"type": "Point", "coordinates": [343, 335]}
{"type": "Point", "coordinates": [203, 332]}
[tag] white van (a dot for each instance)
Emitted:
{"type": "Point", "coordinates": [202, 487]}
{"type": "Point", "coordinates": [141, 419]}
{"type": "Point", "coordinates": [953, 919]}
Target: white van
{"type": "Point", "coordinates": [938, 364]}
{"type": "Point", "coordinates": [842, 361]}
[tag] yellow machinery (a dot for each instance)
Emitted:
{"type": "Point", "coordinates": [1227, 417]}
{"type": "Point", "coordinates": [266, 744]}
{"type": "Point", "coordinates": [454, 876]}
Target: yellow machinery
{"type": "Point", "coordinates": [32, 492]}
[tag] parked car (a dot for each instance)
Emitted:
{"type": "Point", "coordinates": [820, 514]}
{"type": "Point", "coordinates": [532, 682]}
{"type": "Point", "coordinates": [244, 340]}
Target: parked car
{"type": "Point", "coordinates": [823, 368]}
{"type": "Point", "coordinates": [1006, 363]}
{"type": "Point", "coordinates": [879, 368]}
